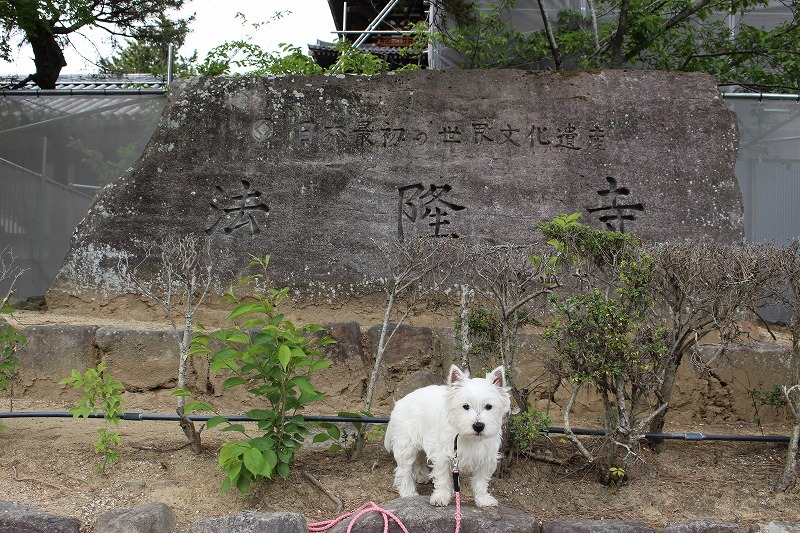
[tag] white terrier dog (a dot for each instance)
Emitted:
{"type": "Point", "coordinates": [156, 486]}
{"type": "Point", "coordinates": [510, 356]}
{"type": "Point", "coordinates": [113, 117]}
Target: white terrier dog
{"type": "Point", "coordinates": [438, 423]}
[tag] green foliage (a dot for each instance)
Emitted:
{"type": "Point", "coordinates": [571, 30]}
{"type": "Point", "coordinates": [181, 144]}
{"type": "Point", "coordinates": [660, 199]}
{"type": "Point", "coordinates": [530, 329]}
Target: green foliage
{"type": "Point", "coordinates": [106, 170]}
{"type": "Point", "coordinates": [616, 475]}
{"type": "Point", "coordinates": [47, 25]}
{"type": "Point", "coordinates": [244, 56]}
{"type": "Point", "coordinates": [148, 50]}
{"type": "Point", "coordinates": [274, 360]}
{"type": "Point", "coordinates": [483, 38]}
{"type": "Point", "coordinates": [254, 60]}
{"type": "Point", "coordinates": [599, 338]}
{"type": "Point", "coordinates": [603, 333]}
{"type": "Point", "coordinates": [525, 428]}
{"type": "Point", "coordinates": [670, 35]}
{"type": "Point", "coordinates": [354, 61]}
{"type": "Point", "coordinates": [774, 397]}
{"type": "Point", "coordinates": [420, 40]}
{"type": "Point", "coordinates": [349, 442]}
{"type": "Point", "coordinates": [100, 393]}
{"type": "Point", "coordinates": [10, 338]}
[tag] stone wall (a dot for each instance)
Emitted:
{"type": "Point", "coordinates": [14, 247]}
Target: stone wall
{"type": "Point", "coordinates": [147, 361]}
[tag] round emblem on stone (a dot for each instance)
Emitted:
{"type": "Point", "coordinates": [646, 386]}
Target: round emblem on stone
{"type": "Point", "coordinates": [261, 130]}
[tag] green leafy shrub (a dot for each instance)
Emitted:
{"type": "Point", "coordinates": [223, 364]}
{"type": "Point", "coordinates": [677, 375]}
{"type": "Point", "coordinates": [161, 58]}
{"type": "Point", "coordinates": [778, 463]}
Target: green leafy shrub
{"type": "Point", "coordinates": [274, 360]}
{"type": "Point", "coordinates": [525, 428]}
{"type": "Point", "coordinates": [349, 441]}
{"type": "Point", "coordinates": [100, 392]}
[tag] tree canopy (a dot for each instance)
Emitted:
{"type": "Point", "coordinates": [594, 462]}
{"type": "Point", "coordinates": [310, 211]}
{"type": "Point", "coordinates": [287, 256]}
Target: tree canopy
{"type": "Point", "coordinates": [714, 36]}
{"type": "Point", "coordinates": [46, 25]}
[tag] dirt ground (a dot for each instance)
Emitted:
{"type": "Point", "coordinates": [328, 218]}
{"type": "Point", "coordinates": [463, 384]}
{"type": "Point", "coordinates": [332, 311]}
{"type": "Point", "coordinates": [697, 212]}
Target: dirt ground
{"type": "Point", "coordinates": [49, 463]}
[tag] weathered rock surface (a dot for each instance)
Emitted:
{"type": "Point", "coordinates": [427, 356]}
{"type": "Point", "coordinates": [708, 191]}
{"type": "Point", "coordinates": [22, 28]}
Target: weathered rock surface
{"type": "Point", "coordinates": [16, 518]}
{"type": "Point", "coordinates": [776, 527]}
{"type": "Point", "coordinates": [313, 170]}
{"type": "Point", "coordinates": [701, 526]}
{"type": "Point", "coordinates": [143, 360]}
{"type": "Point", "coordinates": [154, 517]}
{"type": "Point", "coordinates": [417, 514]}
{"type": "Point", "coordinates": [594, 526]}
{"type": "Point", "coordinates": [252, 522]}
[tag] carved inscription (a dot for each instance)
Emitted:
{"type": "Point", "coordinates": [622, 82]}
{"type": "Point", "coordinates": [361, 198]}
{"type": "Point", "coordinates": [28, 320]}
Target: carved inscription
{"type": "Point", "coordinates": [368, 134]}
{"type": "Point", "coordinates": [615, 213]}
{"type": "Point", "coordinates": [238, 209]}
{"type": "Point", "coordinates": [262, 130]}
{"type": "Point", "coordinates": [431, 205]}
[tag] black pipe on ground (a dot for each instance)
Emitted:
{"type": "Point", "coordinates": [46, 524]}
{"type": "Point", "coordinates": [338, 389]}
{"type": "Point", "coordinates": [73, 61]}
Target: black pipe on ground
{"type": "Point", "coordinates": [378, 420]}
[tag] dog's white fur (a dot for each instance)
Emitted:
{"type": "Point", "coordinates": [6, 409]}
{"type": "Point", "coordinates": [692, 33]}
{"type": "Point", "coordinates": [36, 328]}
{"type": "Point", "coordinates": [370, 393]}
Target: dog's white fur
{"type": "Point", "coordinates": [424, 424]}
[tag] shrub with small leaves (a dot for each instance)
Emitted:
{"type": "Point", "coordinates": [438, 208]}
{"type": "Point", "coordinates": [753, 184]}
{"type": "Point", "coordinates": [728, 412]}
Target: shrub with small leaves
{"type": "Point", "coordinates": [100, 393]}
{"type": "Point", "coordinates": [525, 428]}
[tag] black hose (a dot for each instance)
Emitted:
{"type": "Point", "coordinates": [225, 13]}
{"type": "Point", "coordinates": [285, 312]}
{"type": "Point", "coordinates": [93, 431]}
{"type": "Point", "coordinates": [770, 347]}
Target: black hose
{"type": "Point", "coordinates": [378, 420]}
{"type": "Point", "coordinates": [682, 436]}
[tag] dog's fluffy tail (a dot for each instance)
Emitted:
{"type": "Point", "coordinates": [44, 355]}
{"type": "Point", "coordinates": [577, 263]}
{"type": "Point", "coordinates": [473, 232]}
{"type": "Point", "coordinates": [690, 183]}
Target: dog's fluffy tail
{"type": "Point", "coordinates": [387, 439]}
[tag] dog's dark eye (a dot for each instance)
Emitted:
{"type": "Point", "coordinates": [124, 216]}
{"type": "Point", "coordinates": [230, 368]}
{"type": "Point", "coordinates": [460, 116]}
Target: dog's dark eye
{"type": "Point", "coordinates": [466, 407]}
{"type": "Point", "coordinates": [488, 407]}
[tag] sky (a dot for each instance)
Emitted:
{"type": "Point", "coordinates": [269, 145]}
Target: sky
{"type": "Point", "coordinates": [215, 22]}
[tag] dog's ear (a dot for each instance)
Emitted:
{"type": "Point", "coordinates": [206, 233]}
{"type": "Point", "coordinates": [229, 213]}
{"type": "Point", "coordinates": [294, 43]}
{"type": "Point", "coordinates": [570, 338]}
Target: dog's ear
{"type": "Point", "coordinates": [456, 376]}
{"type": "Point", "coordinates": [497, 377]}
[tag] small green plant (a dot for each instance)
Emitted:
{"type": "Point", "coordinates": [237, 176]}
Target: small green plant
{"type": "Point", "coordinates": [616, 476]}
{"type": "Point", "coordinates": [274, 360]}
{"type": "Point", "coordinates": [773, 397]}
{"type": "Point", "coordinates": [349, 442]}
{"type": "Point", "coordinates": [525, 428]}
{"type": "Point", "coordinates": [9, 340]}
{"type": "Point", "coordinates": [100, 392]}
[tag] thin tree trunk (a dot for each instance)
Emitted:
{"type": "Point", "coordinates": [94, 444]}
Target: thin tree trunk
{"type": "Point", "coordinates": [568, 428]}
{"type": "Point", "coordinates": [373, 379]}
{"type": "Point", "coordinates": [464, 308]}
{"type": "Point", "coordinates": [593, 12]}
{"type": "Point", "coordinates": [619, 36]}
{"type": "Point", "coordinates": [551, 38]}
{"type": "Point", "coordinates": [665, 395]}
{"type": "Point", "coordinates": [789, 478]}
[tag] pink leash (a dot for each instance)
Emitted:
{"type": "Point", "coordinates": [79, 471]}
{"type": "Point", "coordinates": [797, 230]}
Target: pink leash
{"type": "Point", "coordinates": [372, 507]}
{"type": "Point", "coordinates": [369, 507]}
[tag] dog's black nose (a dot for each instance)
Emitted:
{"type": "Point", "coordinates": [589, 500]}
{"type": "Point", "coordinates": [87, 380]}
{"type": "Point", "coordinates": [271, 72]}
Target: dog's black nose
{"type": "Point", "coordinates": [478, 427]}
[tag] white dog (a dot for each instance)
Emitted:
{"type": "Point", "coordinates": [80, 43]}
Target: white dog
{"type": "Point", "coordinates": [434, 424]}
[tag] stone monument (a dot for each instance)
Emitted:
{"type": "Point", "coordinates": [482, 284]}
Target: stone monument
{"type": "Point", "coordinates": [316, 170]}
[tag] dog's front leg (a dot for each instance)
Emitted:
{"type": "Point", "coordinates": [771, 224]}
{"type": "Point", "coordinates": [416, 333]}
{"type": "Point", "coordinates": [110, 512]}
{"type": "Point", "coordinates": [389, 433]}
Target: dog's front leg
{"type": "Point", "coordinates": [442, 481]}
{"type": "Point", "coordinates": [480, 486]}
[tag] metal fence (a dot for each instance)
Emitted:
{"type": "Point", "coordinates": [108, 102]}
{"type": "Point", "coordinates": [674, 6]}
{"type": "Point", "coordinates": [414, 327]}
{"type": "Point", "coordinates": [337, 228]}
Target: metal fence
{"type": "Point", "coordinates": [57, 148]}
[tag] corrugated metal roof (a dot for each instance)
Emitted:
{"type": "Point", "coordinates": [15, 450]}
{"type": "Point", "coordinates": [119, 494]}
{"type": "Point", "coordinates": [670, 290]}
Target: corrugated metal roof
{"type": "Point", "coordinates": [75, 95]}
{"type": "Point", "coordinates": [81, 82]}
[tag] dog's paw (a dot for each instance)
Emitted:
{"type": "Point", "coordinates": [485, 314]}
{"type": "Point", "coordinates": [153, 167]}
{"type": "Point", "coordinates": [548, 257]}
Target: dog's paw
{"type": "Point", "coordinates": [486, 501]}
{"type": "Point", "coordinates": [440, 499]}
